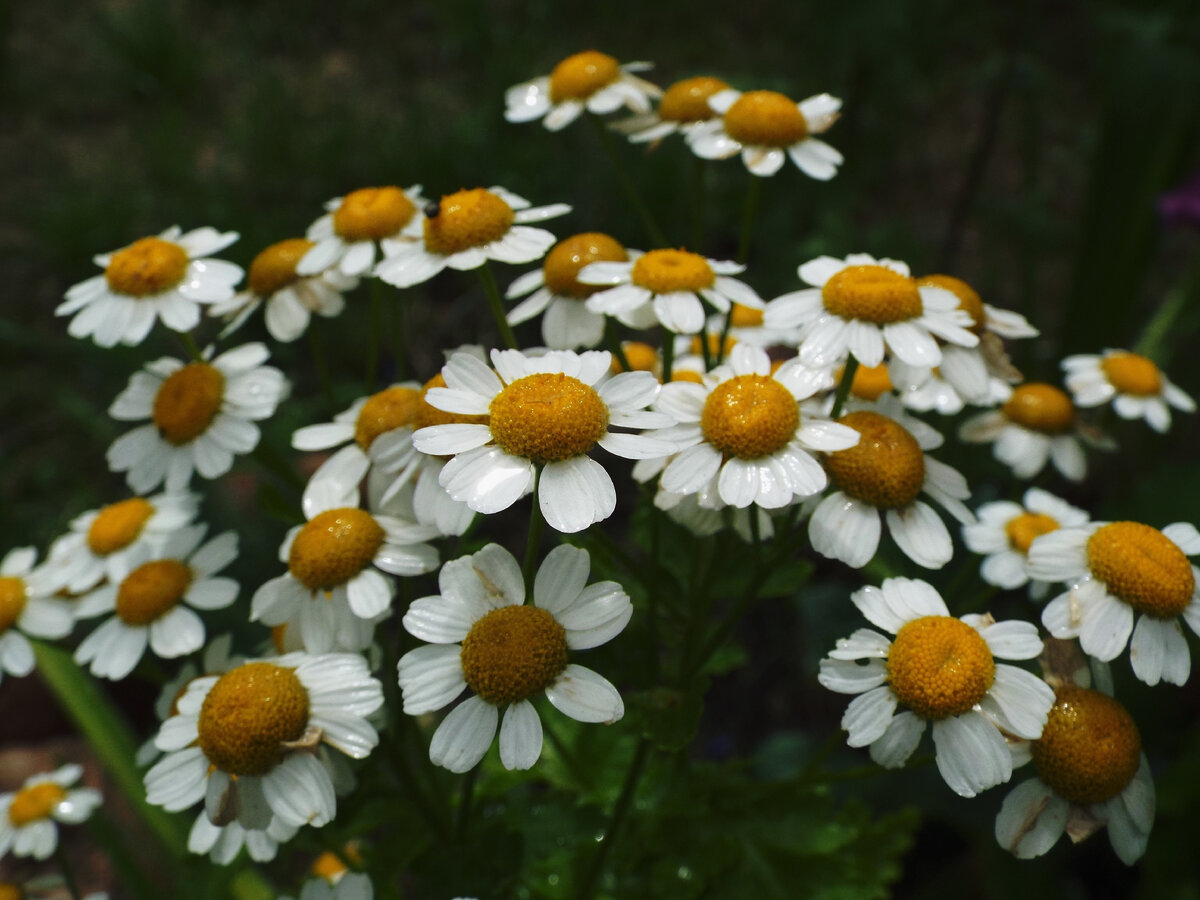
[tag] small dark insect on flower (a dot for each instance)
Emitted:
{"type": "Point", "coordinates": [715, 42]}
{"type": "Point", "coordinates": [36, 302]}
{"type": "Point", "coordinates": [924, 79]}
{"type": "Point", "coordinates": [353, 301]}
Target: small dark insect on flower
{"type": "Point", "coordinates": [432, 210]}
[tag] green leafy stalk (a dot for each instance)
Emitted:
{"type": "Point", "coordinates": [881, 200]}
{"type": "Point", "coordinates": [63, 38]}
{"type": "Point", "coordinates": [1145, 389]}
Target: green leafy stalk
{"type": "Point", "coordinates": [843, 390]}
{"type": "Point", "coordinates": [497, 306]}
{"type": "Point", "coordinates": [655, 233]}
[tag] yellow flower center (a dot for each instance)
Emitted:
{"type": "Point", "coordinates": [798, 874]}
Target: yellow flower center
{"type": "Point", "coordinates": [10, 891]}
{"type": "Point", "coordinates": [872, 294]}
{"type": "Point", "coordinates": [333, 547]}
{"type": "Point", "coordinates": [249, 716]}
{"type": "Point", "coordinates": [329, 865]}
{"type": "Point", "coordinates": [275, 267]}
{"type": "Point", "coordinates": [370, 214]}
{"type": "Point", "coordinates": [12, 601]}
{"type": "Point", "coordinates": [152, 589]}
{"type": "Point", "coordinates": [939, 666]}
{"type": "Point", "coordinates": [664, 271]}
{"type": "Point", "coordinates": [1040, 407]}
{"type": "Point", "coordinates": [642, 357]}
{"type": "Point", "coordinates": [765, 118]}
{"type": "Point", "coordinates": [687, 375]}
{"type": "Point", "coordinates": [1143, 567]}
{"type": "Point", "coordinates": [187, 402]}
{"type": "Point", "coordinates": [578, 77]}
{"type": "Point", "coordinates": [427, 415]}
{"type": "Point", "coordinates": [1132, 374]}
{"type": "Point", "coordinates": [35, 802]}
{"type": "Point", "coordinates": [466, 219]}
{"type": "Point", "coordinates": [968, 298]}
{"type": "Point", "coordinates": [687, 100]}
{"type": "Point", "coordinates": [869, 381]}
{"type": "Point", "coordinates": [886, 468]}
{"type": "Point", "coordinates": [513, 653]}
{"type": "Point", "coordinates": [1089, 750]}
{"type": "Point", "coordinates": [548, 417]}
{"type": "Point", "coordinates": [118, 525]}
{"type": "Point", "coordinates": [1022, 529]}
{"type": "Point", "coordinates": [569, 255]}
{"type": "Point", "coordinates": [749, 416]}
{"type": "Point", "coordinates": [715, 345]}
{"type": "Point", "coordinates": [388, 410]}
{"type": "Point", "coordinates": [146, 267]}
{"type": "Point", "coordinates": [745, 316]}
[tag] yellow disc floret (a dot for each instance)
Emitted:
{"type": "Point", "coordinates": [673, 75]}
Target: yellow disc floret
{"type": "Point", "coordinates": [578, 77]}
{"type": "Point", "coordinates": [1143, 567]}
{"type": "Point", "coordinates": [1023, 529]}
{"type": "Point", "coordinates": [152, 589]}
{"type": "Point", "coordinates": [968, 298]}
{"type": "Point", "coordinates": [569, 255]}
{"type": "Point", "coordinates": [333, 547]}
{"type": "Point", "coordinates": [466, 219]}
{"type": "Point", "coordinates": [10, 891]}
{"type": "Point", "coordinates": [12, 601]}
{"type": "Point", "coordinates": [187, 402]}
{"type": "Point", "coordinates": [687, 100]}
{"type": "Point", "coordinates": [275, 267]}
{"type": "Point", "coordinates": [745, 316]}
{"type": "Point", "coordinates": [1089, 750]}
{"type": "Point", "coordinates": [35, 802]}
{"type": "Point", "coordinates": [332, 866]}
{"type": "Point", "coordinates": [146, 267]}
{"type": "Point", "coordinates": [249, 716]}
{"type": "Point", "coordinates": [869, 381]}
{"type": "Point", "coordinates": [750, 416]}
{"type": "Point", "coordinates": [872, 294]}
{"type": "Point", "coordinates": [886, 468]}
{"type": "Point", "coordinates": [370, 214]}
{"type": "Point", "coordinates": [664, 271]}
{"type": "Point", "coordinates": [939, 666]}
{"type": "Point", "coordinates": [1132, 374]}
{"type": "Point", "coordinates": [513, 653]}
{"type": "Point", "coordinates": [1040, 407]}
{"type": "Point", "coordinates": [642, 357]}
{"type": "Point", "coordinates": [765, 118]}
{"type": "Point", "coordinates": [118, 525]}
{"type": "Point", "coordinates": [427, 415]}
{"type": "Point", "coordinates": [548, 417]}
{"type": "Point", "coordinates": [385, 411]}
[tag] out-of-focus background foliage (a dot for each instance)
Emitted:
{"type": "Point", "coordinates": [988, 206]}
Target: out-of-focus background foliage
{"type": "Point", "coordinates": [1021, 146]}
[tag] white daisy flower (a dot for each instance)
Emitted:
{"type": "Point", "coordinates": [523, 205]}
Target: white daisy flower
{"type": "Point", "coordinates": [483, 636]}
{"type": "Point", "coordinates": [861, 306]}
{"type": "Point", "coordinates": [150, 602]}
{"type": "Point", "coordinates": [1115, 570]}
{"type": "Point", "coordinates": [101, 539]}
{"type": "Point", "coordinates": [27, 606]}
{"type": "Point", "coordinates": [348, 237]}
{"type": "Point", "coordinates": [164, 277]}
{"type": "Point", "coordinates": [746, 325]}
{"type": "Point", "coordinates": [335, 587]}
{"type": "Point", "coordinates": [567, 322]}
{"type": "Point", "coordinates": [1091, 774]}
{"type": "Point", "coordinates": [666, 286]}
{"type": "Point", "coordinates": [28, 816]}
{"type": "Point", "coordinates": [291, 299]}
{"type": "Point", "coordinates": [1137, 387]}
{"type": "Point", "coordinates": [352, 886]}
{"type": "Point", "coordinates": [223, 843]}
{"type": "Point", "coordinates": [683, 107]}
{"type": "Point", "coordinates": [590, 81]}
{"type": "Point", "coordinates": [249, 743]}
{"type": "Point", "coordinates": [201, 414]}
{"type": "Point", "coordinates": [545, 414]}
{"type": "Point", "coordinates": [767, 128]}
{"type": "Point", "coordinates": [885, 473]}
{"type": "Point", "coordinates": [926, 389]}
{"type": "Point", "coordinates": [741, 433]}
{"type": "Point", "coordinates": [1005, 531]}
{"type": "Point", "coordinates": [944, 671]}
{"type": "Point", "coordinates": [466, 229]}
{"type": "Point", "coordinates": [1037, 423]}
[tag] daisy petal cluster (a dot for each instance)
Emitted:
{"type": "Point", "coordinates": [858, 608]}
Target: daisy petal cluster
{"type": "Point", "coordinates": [1037, 424]}
{"type": "Point", "coordinates": [167, 277]}
{"type": "Point", "coordinates": [29, 817]}
{"type": "Point", "coordinates": [682, 109]}
{"type": "Point", "coordinates": [201, 415]}
{"type": "Point", "coordinates": [28, 607]}
{"type": "Point", "coordinates": [350, 236]}
{"type": "Point", "coordinates": [943, 671]}
{"type": "Point", "coordinates": [1137, 387]}
{"type": "Point", "coordinates": [591, 81]}
{"type": "Point", "coordinates": [483, 636]}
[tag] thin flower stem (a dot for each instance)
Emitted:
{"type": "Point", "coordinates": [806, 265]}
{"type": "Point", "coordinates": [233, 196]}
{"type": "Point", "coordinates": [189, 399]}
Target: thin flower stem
{"type": "Point", "coordinates": [322, 367]}
{"type": "Point", "coordinates": [637, 768]}
{"type": "Point", "coordinates": [705, 350]}
{"type": "Point", "coordinates": [843, 390]}
{"type": "Point", "coordinates": [466, 797]}
{"type": "Point", "coordinates": [578, 772]}
{"type": "Point", "coordinates": [699, 193]}
{"type": "Point", "coordinates": [724, 336]}
{"type": "Point", "coordinates": [656, 235]}
{"type": "Point", "coordinates": [68, 873]}
{"type": "Point", "coordinates": [668, 355]}
{"type": "Point", "coordinates": [614, 345]}
{"type": "Point", "coordinates": [497, 306]}
{"type": "Point", "coordinates": [399, 354]}
{"type": "Point", "coordinates": [533, 542]}
{"type": "Point", "coordinates": [189, 344]}
{"type": "Point", "coordinates": [1154, 335]}
{"type": "Point", "coordinates": [749, 216]}
{"type": "Point", "coordinates": [374, 335]}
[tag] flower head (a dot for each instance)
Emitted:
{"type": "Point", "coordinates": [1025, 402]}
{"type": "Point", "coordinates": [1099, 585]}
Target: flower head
{"type": "Point", "coordinates": [348, 237]}
{"type": "Point", "coordinates": [27, 606]}
{"type": "Point", "coordinates": [1137, 387]}
{"type": "Point", "coordinates": [590, 80]}
{"type": "Point", "coordinates": [682, 108]}
{"type": "Point", "coordinates": [1036, 424]}
{"type": "Point", "coordinates": [29, 816]}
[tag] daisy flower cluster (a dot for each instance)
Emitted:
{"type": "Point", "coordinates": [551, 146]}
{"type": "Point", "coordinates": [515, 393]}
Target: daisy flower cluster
{"type": "Point", "coordinates": [464, 532]}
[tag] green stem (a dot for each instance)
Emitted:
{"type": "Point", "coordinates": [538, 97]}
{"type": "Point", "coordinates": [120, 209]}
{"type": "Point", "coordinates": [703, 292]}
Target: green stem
{"type": "Point", "coordinates": [637, 768]}
{"type": "Point", "coordinates": [68, 874]}
{"type": "Point", "coordinates": [699, 191]}
{"type": "Point", "coordinates": [843, 389]}
{"type": "Point", "coordinates": [189, 344]}
{"type": "Point", "coordinates": [399, 356]}
{"type": "Point", "coordinates": [377, 288]}
{"type": "Point", "coordinates": [497, 306]}
{"type": "Point", "coordinates": [749, 215]}
{"type": "Point", "coordinates": [534, 540]}
{"type": "Point", "coordinates": [466, 797]}
{"type": "Point", "coordinates": [668, 355]}
{"type": "Point", "coordinates": [614, 345]}
{"type": "Point", "coordinates": [1154, 335]}
{"type": "Point", "coordinates": [656, 235]}
{"type": "Point", "coordinates": [320, 364]}
{"type": "Point", "coordinates": [724, 336]}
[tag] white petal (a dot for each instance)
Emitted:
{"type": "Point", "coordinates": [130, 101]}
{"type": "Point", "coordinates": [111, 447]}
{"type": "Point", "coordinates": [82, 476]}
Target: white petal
{"type": "Point", "coordinates": [520, 736]}
{"type": "Point", "coordinates": [1018, 701]}
{"type": "Point", "coordinates": [849, 677]}
{"type": "Point", "coordinates": [843, 528]}
{"type": "Point", "coordinates": [1159, 651]}
{"type": "Point", "coordinates": [971, 754]}
{"type": "Point", "coordinates": [921, 534]}
{"type": "Point", "coordinates": [868, 716]}
{"type": "Point", "coordinates": [1107, 623]}
{"type": "Point", "coordinates": [1031, 820]}
{"type": "Point", "coordinates": [575, 493]}
{"type": "Point", "coordinates": [897, 744]}
{"type": "Point", "coordinates": [369, 593]}
{"type": "Point", "coordinates": [464, 736]}
{"type": "Point", "coordinates": [300, 792]}
{"type": "Point", "coordinates": [430, 677]}
{"type": "Point", "coordinates": [585, 696]}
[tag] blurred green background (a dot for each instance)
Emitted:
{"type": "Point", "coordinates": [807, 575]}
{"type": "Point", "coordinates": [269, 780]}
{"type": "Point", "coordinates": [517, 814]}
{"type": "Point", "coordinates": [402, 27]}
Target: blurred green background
{"type": "Point", "coordinates": [1021, 146]}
